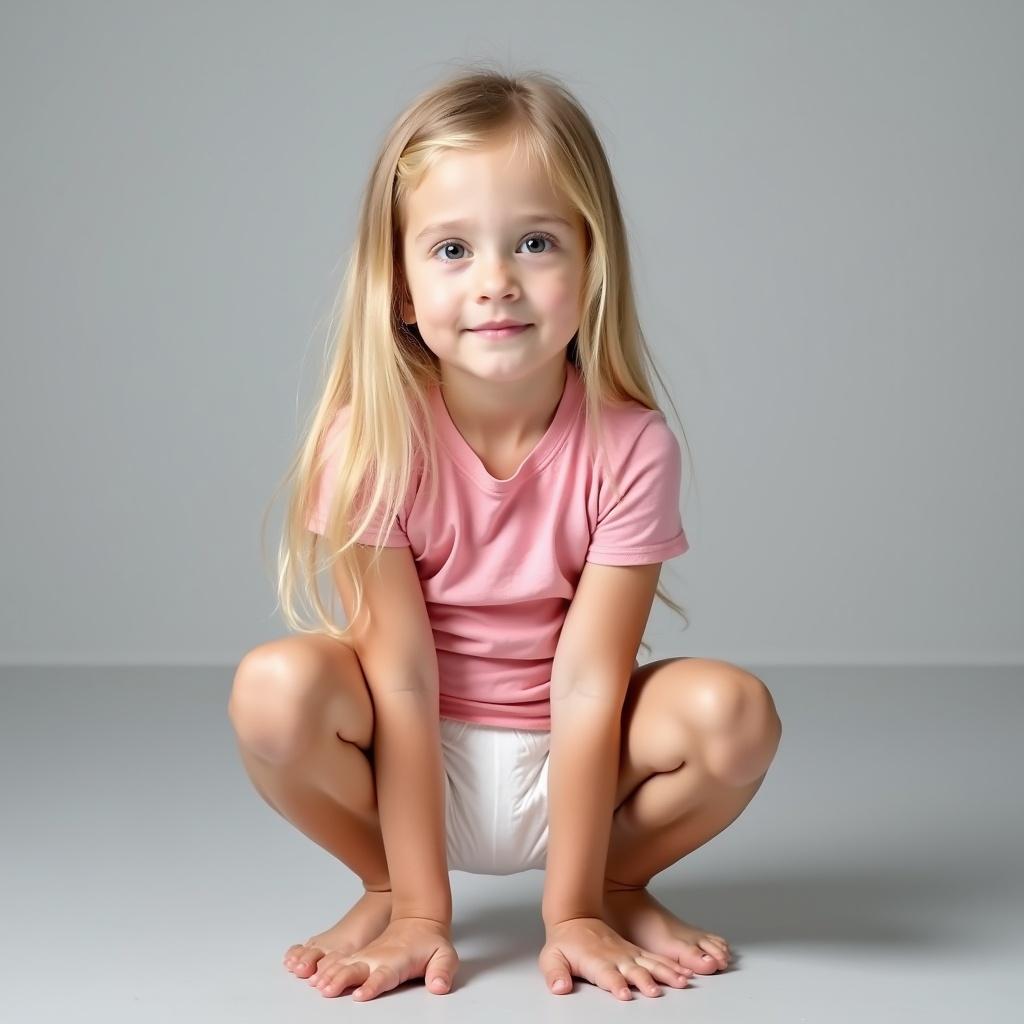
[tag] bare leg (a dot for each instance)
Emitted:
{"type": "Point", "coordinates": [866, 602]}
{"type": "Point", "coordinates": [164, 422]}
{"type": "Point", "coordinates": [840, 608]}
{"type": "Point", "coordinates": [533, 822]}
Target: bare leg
{"type": "Point", "coordinates": [700, 735]}
{"type": "Point", "coordinates": [324, 796]}
{"type": "Point", "coordinates": [285, 707]}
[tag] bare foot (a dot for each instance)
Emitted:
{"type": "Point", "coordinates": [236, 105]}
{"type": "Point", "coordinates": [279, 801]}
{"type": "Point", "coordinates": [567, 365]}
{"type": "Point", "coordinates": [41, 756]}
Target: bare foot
{"type": "Point", "coordinates": [367, 918]}
{"type": "Point", "coordinates": [636, 915]}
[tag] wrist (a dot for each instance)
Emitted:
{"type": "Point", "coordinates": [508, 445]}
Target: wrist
{"type": "Point", "coordinates": [553, 918]}
{"type": "Point", "coordinates": [440, 913]}
{"type": "Point", "coordinates": [441, 924]}
{"type": "Point", "coordinates": [433, 903]}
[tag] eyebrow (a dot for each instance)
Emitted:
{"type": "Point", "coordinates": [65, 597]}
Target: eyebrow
{"type": "Point", "coordinates": [532, 218]}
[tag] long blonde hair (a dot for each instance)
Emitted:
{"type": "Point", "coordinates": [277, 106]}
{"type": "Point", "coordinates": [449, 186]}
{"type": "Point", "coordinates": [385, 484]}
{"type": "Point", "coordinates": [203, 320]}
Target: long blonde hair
{"type": "Point", "coordinates": [380, 366]}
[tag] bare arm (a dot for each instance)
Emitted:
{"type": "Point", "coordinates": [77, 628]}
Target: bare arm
{"type": "Point", "coordinates": [590, 674]}
{"type": "Point", "coordinates": [582, 776]}
{"type": "Point", "coordinates": [407, 751]}
{"type": "Point", "coordinates": [395, 644]}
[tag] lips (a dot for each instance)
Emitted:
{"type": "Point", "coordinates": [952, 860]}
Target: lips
{"type": "Point", "coordinates": [497, 333]}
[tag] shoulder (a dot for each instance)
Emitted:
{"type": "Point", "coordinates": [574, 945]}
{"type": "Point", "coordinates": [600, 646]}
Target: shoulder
{"type": "Point", "coordinates": [335, 434]}
{"type": "Point", "coordinates": [336, 424]}
{"type": "Point", "coordinates": [631, 429]}
{"type": "Point", "coordinates": [340, 420]}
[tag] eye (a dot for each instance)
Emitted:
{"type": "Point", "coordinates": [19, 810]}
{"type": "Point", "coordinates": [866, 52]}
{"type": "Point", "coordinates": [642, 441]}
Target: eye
{"type": "Point", "coordinates": [441, 246]}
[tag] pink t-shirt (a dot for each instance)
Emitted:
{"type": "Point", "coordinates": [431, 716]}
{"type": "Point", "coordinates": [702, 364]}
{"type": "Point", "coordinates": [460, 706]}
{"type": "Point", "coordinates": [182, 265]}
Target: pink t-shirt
{"type": "Point", "coordinates": [499, 560]}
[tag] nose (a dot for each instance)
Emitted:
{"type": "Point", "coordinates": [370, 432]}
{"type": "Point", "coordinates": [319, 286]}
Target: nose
{"type": "Point", "coordinates": [497, 277]}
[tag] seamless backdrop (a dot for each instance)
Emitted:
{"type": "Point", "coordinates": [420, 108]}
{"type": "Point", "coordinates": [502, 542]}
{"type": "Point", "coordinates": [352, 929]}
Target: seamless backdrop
{"type": "Point", "coordinates": [827, 227]}
{"type": "Point", "coordinates": [827, 221]}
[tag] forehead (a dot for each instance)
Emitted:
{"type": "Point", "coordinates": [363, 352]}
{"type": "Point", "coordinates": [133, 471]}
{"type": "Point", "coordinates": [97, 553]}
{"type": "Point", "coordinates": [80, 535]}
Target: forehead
{"type": "Point", "coordinates": [482, 185]}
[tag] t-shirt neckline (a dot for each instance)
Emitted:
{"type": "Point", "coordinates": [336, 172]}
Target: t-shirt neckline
{"type": "Point", "coordinates": [543, 451]}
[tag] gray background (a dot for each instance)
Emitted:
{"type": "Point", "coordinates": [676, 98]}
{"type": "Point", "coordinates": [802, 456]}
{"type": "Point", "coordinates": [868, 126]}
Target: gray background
{"type": "Point", "coordinates": [826, 217]}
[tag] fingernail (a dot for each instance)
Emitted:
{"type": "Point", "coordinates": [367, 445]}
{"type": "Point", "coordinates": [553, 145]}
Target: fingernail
{"type": "Point", "coordinates": [707, 956]}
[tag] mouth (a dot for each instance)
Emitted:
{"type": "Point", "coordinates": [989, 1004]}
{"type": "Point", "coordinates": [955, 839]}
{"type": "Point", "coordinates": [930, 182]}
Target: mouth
{"type": "Point", "coordinates": [497, 333]}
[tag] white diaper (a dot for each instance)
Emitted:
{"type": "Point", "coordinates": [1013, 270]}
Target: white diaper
{"type": "Point", "coordinates": [496, 797]}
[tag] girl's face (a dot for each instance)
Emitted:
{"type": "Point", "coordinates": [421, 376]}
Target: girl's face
{"type": "Point", "coordinates": [516, 253]}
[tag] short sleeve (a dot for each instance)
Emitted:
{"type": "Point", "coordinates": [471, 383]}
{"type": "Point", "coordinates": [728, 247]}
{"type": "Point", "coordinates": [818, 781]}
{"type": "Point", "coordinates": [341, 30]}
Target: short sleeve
{"type": "Point", "coordinates": [324, 491]}
{"type": "Point", "coordinates": [643, 524]}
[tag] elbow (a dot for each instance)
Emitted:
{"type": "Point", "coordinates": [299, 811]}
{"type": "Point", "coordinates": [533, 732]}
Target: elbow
{"type": "Point", "coordinates": [590, 711]}
{"type": "Point", "coordinates": [592, 691]}
{"type": "Point", "coordinates": [390, 672]}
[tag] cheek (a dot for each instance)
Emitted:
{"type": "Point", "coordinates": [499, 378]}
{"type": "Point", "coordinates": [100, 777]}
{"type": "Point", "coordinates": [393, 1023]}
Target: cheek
{"type": "Point", "coordinates": [438, 316]}
{"type": "Point", "coordinates": [559, 296]}
{"type": "Point", "coordinates": [438, 304]}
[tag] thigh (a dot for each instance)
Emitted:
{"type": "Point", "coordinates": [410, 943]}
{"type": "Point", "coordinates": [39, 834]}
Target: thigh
{"type": "Point", "coordinates": [307, 678]}
{"type": "Point", "coordinates": [655, 737]}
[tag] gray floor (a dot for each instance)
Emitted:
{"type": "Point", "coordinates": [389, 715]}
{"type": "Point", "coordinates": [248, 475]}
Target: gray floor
{"type": "Point", "coordinates": [876, 874]}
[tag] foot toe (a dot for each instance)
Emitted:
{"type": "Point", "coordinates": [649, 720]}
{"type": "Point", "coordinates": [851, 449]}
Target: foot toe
{"type": "Point", "coordinates": [709, 945]}
{"type": "Point", "coordinates": [306, 961]}
{"type": "Point", "coordinates": [697, 960]}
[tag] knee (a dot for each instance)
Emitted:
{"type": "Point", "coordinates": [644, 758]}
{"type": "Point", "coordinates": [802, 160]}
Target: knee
{"type": "Point", "coordinates": [745, 729]}
{"type": "Point", "coordinates": [272, 703]}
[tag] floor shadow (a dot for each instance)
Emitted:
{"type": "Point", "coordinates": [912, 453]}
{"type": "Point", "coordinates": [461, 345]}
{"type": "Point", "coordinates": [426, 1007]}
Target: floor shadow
{"type": "Point", "coordinates": [929, 909]}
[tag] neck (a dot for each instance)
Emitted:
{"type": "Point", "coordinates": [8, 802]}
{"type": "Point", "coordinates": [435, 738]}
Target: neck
{"type": "Point", "coordinates": [501, 415]}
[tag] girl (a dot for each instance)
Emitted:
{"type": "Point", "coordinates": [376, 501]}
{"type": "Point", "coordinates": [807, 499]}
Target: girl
{"type": "Point", "coordinates": [497, 490]}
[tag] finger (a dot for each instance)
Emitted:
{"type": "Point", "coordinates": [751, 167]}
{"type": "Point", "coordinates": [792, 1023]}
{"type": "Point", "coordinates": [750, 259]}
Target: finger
{"type": "Point", "coordinates": [441, 970]}
{"type": "Point", "coordinates": [557, 973]}
{"type": "Point", "coordinates": [336, 977]}
{"type": "Point", "coordinates": [674, 966]}
{"type": "Point", "coordinates": [381, 979]}
{"type": "Point", "coordinates": [638, 975]}
{"type": "Point", "coordinates": [611, 979]}
{"type": "Point", "coordinates": [331, 960]}
{"type": "Point", "coordinates": [669, 972]}
{"type": "Point", "coordinates": [692, 956]}
{"type": "Point", "coordinates": [559, 979]}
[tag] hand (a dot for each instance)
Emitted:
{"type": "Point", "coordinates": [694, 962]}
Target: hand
{"type": "Point", "coordinates": [409, 947]}
{"type": "Point", "coordinates": [588, 948]}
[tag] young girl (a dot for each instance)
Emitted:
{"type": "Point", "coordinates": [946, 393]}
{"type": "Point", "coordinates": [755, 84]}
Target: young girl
{"type": "Point", "coordinates": [496, 489]}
